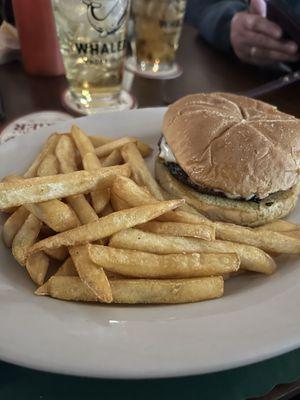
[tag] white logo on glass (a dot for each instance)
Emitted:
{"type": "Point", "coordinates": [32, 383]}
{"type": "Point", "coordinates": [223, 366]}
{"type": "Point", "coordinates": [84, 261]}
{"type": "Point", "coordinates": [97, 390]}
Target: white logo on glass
{"type": "Point", "coordinates": [106, 16]}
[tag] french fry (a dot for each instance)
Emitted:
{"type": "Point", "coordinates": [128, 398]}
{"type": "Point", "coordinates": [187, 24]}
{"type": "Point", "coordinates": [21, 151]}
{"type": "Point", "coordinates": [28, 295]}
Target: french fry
{"type": "Point", "coordinates": [67, 268]}
{"type": "Point", "coordinates": [268, 241]}
{"type": "Point", "coordinates": [54, 213]}
{"type": "Point", "coordinates": [106, 149]}
{"type": "Point", "coordinates": [278, 226]}
{"type": "Point", "coordinates": [134, 291]}
{"type": "Point", "coordinates": [284, 227]}
{"type": "Point", "coordinates": [25, 238]}
{"type": "Point", "coordinates": [48, 166]}
{"type": "Point", "coordinates": [107, 210]}
{"type": "Point", "coordinates": [65, 153]}
{"type": "Point", "coordinates": [99, 140]}
{"type": "Point", "coordinates": [100, 198]}
{"type": "Point", "coordinates": [252, 258]}
{"type": "Point", "coordinates": [36, 190]}
{"type": "Point", "coordinates": [201, 231]}
{"type": "Point", "coordinates": [59, 254]}
{"type": "Point", "coordinates": [293, 234]}
{"type": "Point", "coordinates": [134, 195]}
{"type": "Point", "coordinates": [91, 275]}
{"type": "Point", "coordinates": [37, 266]}
{"type": "Point", "coordinates": [186, 207]}
{"type": "Point", "coordinates": [90, 163]}
{"type": "Point", "coordinates": [82, 208]}
{"type": "Point", "coordinates": [139, 264]}
{"type": "Point", "coordinates": [82, 141]}
{"type": "Point", "coordinates": [13, 224]}
{"type": "Point", "coordinates": [10, 178]}
{"type": "Point", "coordinates": [139, 169]}
{"type": "Point", "coordinates": [117, 203]}
{"type": "Point", "coordinates": [48, 148]}
{"type": "Point", "coordinates": [114, 158]}
{"type": "Point", "coordinates": [106, 226]}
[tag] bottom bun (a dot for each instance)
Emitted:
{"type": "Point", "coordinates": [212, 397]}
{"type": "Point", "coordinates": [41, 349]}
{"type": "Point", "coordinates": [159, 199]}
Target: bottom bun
{"type": "Point", "coordinates": [247, 213]}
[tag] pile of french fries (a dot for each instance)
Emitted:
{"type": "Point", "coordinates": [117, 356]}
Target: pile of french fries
{"type": "Point", "coordinates": [89, 223]}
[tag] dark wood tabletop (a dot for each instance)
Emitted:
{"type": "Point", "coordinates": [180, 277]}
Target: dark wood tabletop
{"type": "Point", "coordinates": [204, 70]}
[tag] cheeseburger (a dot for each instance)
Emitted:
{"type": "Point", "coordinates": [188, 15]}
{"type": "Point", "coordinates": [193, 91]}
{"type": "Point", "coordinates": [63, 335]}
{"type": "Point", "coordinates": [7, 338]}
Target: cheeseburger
{"type": "Point", "coordinates": [233, 158]}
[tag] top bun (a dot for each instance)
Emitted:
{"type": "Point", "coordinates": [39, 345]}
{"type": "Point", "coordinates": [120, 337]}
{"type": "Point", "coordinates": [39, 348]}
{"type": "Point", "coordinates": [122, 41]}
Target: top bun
{"type": "Point", "coordinates": [235, 144]}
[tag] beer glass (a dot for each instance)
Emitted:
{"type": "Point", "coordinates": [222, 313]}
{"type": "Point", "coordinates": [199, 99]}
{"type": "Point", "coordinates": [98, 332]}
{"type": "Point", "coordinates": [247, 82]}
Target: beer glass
{"type": "Point", "coordinates": [157, 28]}
{"type": "Point", "coordinates": [92, 37]}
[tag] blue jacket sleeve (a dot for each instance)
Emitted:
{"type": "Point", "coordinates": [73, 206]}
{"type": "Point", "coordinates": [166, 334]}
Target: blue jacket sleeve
{"type": "Point", "coordinates": [212, 19]}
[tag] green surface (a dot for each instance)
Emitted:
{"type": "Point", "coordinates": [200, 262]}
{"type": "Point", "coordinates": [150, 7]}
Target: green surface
{"type": "Point", "coordinates": [241, 383]}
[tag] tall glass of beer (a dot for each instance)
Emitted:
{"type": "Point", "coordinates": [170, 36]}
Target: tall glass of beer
{"type": "Point", "coordinates": [92, 37]}
{"type": "Point", "coordinates": [157, 28]}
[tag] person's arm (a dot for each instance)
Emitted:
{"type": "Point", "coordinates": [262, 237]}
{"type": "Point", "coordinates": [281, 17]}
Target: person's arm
{"type": "Point", "coordinates": [212, 18]}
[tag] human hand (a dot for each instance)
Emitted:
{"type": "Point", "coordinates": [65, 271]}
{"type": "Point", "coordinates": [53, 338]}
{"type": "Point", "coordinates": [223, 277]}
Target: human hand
{"type": "Point", "coordinates": [256, 40]}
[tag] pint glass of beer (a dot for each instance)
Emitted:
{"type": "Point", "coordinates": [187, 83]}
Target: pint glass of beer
{"type": "Point", "coordinates": [157, 28]}
{"type": "Point", "coordinates": [92, 37]}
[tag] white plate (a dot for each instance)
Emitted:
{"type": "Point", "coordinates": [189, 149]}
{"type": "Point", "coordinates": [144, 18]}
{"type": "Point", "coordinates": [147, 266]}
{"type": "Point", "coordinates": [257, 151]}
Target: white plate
{"type": "Point", "coordinates": [257, 318]}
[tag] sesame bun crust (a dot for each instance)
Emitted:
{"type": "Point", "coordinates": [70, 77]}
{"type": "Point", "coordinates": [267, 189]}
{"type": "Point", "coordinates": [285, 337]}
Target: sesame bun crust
{"type": "Point", "coordinates": [235, 144]}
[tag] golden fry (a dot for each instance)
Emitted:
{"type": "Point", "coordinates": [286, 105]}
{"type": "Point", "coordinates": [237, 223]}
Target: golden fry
{"type": "Point", "coordinates": [48, 166]}
{"type": "Point", "coordinates": [278, 226]}
{"type": "Point", "coordinates": [265, 240]}
{"type": "Point", "coordinates": [134, 291]}
{"type": "Point", "coordinates": [82, 208]}
{"type": "Point", "coordinates": [201, 231]}
{"type": "Point", "coordinates": [252, 258]}
{"type": "Point", "coordinates": [114, 158]}
{"type": "Point", "coordinates": [65, 152]}
{"type": "Point", "coordinates": [48, 148]}
{"type": "Point", "coordinates": [91, 274]}
{"type": "Point", "coordinates": [117, 203]}
{"type": "Point", "coordinates": [37, 267]}
{"type": "Point", "coordinates": [145, 265]}
{"type": "Point", "coordinates": [144, 149]}
{"type": "Point", "coordinates": [35, 190]}
{"type": "Point", "coordinates": [106, 226]}
{"type": "Point", "coordinates": [100, 198]}
{"type": "Point", "coordinates": [58, 254]}
{"type": "Point", "coordinates": [107, 210]}
{"type": "Point", "coordinates": [13, 224]}
{"type": "Point", "coordinates": [90, 163]}
{"type": "Point", "coordinates": [106, 149]}
{"type": "Point", "coordinates": [139, 169]}
{"type": "Point", "coordinates": [134, 195]}
{"type": "Point", "coordinates": [54, 213]}
{"type": "Point", "coordinates": [67, 268]}
{"type": "Point", "coordinates": [25, 238]}
{"type": "Point", "coordinates": [82, 141]}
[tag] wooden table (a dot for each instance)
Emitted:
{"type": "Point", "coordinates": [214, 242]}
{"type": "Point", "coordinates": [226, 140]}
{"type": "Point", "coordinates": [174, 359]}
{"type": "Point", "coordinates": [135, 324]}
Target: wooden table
{"type": "Point", "coordinates": [204, 69]}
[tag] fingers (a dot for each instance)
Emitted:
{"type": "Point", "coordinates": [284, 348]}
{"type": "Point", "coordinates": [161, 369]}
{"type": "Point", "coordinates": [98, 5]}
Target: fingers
{"type": "Point", "coordinates": [262, 25]}
{"type": "Point", "coordinates": [252, 32]}
{"type": "Point", "coordinates": [260, 40]}
{"type": "Point", "coordinates": [262, 56]}
{"type": "Point", "coordinates": [258, 7]}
